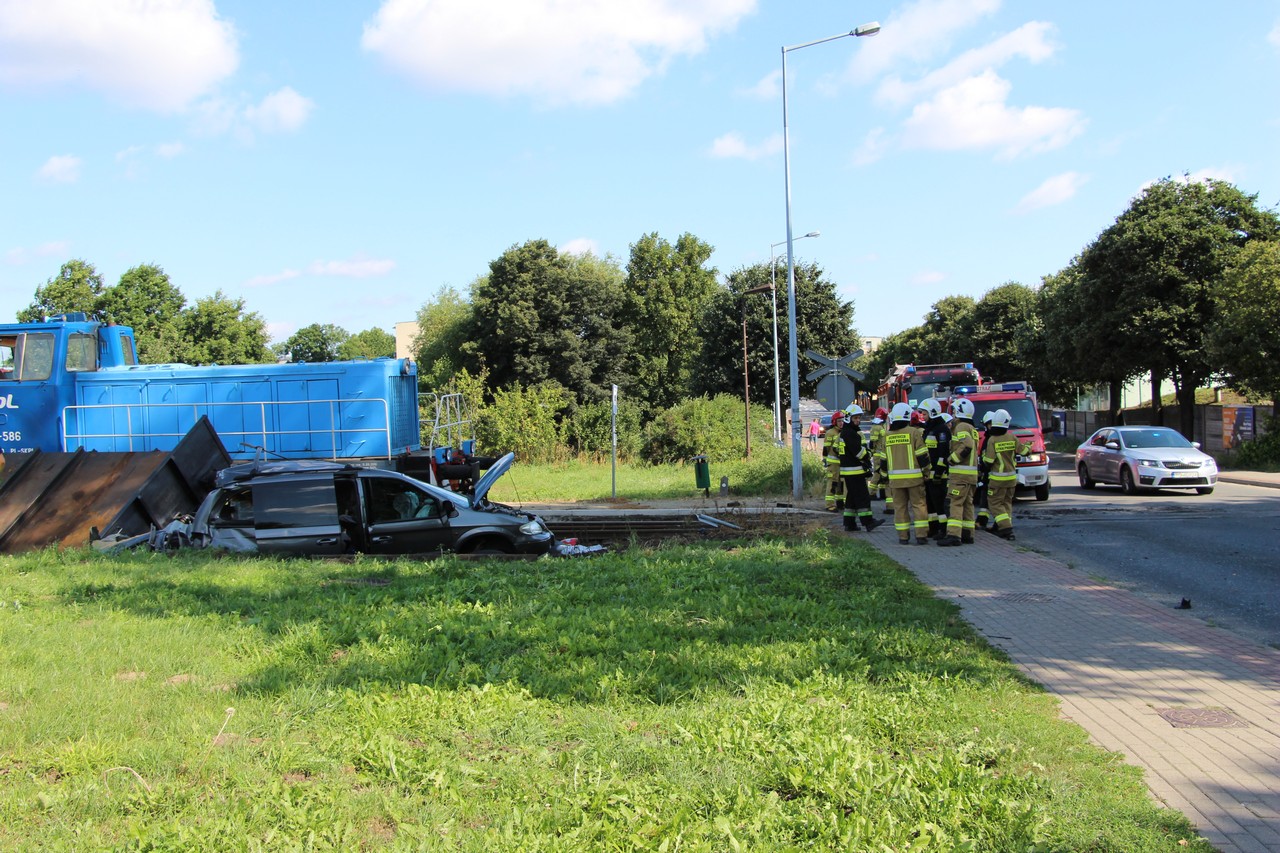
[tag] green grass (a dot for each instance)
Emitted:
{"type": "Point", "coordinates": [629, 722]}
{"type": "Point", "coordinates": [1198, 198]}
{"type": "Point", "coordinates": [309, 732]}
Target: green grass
{"type": "Point", "coordinates": [763, 694]}
{"type": "Point", "coordinates": [766, 474]}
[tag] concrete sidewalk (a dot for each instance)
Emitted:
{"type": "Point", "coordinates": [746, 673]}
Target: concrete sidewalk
{"type": "Point", "coordinates": [1196, 707]}
{"type": "Point", "coordinates": [1250, 478]}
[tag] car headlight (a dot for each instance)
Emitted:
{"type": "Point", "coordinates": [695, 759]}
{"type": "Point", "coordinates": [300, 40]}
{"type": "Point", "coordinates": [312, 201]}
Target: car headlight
{"type": "Point", "coordinates": [1149, 463]}
{"type": "Point", "coordinates": [1034, 459]}
{"type": "Point", "coordinates": [532, 528]}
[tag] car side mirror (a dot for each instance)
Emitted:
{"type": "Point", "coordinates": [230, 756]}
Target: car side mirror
{"type": "Point", "coordinates": [1113, 445]}
{"type": "Point", "coordinates": [1196, 445]}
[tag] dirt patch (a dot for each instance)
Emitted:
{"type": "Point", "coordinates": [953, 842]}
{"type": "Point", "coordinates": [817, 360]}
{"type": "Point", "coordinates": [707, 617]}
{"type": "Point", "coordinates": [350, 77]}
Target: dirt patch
{"type": "Point", "coordinates": [180, 678]}
{"type": "Point", "coordinates": [130, 676]}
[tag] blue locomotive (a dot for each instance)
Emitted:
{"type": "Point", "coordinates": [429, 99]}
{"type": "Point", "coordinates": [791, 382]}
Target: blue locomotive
{"type": "Point", "coordinates": [71, 382]}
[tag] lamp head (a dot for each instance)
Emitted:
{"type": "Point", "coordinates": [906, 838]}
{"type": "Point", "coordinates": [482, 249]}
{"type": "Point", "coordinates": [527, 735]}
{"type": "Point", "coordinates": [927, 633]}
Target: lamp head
{"type": "Point", "coordinates": [814, 234]}
{"type": "Point", "coordinates": [867, 29]}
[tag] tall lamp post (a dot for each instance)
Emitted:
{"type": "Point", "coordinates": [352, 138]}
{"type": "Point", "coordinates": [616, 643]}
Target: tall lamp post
{"type": "Point", "coordinates": [779, 419]}
{"type": "Point", "coordinates": [797, 477]}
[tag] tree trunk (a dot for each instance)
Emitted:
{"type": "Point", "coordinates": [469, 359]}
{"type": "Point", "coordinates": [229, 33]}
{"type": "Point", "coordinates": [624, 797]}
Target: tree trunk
{"type": "Point", "coordinates": [1187, 409]}
{"type": "Point", "coordinates": [1157, 402]}
{"type": "Point", "coordinates": [1114, 391]}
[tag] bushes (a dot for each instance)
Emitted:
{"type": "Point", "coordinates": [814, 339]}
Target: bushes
{"type": "Point", "coordinates": [1264, 451]}
{"type": "Point", "coordinates": [712, 426]}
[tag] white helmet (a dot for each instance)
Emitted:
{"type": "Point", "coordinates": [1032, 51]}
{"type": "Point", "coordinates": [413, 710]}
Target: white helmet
{"type": "Point", "coordinates": [962, 408]}
{"type": "Point", "coordinates": [1001, 418]}
{"type": "Point", "coordinates": [986, 419]}
{"type": "Point", "coordinates": [853, 410]}
{"type": "Point", "coordinates": [900, 412]}
{"type": "Point", "coordinates": [947, 418]}
{"type": "Point", "coordinates": [931, 408]}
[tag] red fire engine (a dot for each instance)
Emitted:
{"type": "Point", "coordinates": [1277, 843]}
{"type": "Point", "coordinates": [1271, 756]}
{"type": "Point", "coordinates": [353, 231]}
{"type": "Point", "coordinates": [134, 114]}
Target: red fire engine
{"type": "Point", "coordinates": [912, 383]}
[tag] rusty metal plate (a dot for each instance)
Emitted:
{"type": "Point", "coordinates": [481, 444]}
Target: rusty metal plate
{"type": "Point", "coordinates": [1201, 718]}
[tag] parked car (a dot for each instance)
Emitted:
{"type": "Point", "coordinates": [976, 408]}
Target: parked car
{"type": "Point", "coordinates": [1144, 457]}
{"type": "Point", "coordinates": [299, 507]}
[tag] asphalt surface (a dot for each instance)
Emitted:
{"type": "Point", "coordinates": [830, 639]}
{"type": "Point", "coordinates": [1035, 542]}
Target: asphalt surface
{"type": "Point", "coordinates": [1218, 551]}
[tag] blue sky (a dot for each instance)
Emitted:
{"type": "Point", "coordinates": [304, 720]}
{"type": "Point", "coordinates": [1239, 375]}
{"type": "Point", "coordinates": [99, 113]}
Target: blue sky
{"type": "Point", "coordinates": [339, 161]}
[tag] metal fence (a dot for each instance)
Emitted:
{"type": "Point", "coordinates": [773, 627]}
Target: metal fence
{"type": "Point", "coordinates": [1217, 428]}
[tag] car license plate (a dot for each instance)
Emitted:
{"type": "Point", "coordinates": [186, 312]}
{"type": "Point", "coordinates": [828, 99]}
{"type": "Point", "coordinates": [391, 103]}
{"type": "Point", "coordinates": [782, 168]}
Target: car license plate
{"type": "Point", "coordinates": [1186, 474]}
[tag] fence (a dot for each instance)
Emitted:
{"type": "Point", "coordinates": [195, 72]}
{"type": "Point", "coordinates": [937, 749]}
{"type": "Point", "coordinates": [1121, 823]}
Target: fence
{"type": "Point", "coordinates": [1217, 428]}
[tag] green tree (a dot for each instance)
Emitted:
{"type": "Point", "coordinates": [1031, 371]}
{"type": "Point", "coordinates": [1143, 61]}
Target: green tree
{"type": "Point", "coordinates": [218, 330]}
{"type": "Point", "coordinates": [1160, 265]}
{"type": "Point", "coordinates": [444, 324]}
{"type": "Point", "coordinates": [371, 343]}
{"type": "Point", "coordinates": [1242, 342]}
{"type": "Point", "coordinates": [995, 330]}
{"type": "Point", "coordinates": [824, 322]}
{"type": "Point", "coordinates": [76, 287]}
{"type": "Point", "coordinates": [544, 316]}
{"type": "Point", "coordinates": [149, 303]}
{"type": "Point", "coordinates": [316, 343]}
{"type": "Point", "coordinates": [667, 289]}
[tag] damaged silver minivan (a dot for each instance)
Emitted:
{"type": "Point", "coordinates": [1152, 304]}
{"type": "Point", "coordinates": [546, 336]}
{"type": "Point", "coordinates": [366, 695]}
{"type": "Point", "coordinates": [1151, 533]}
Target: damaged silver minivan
{"type": "Point", "coordinates": [307, 508]}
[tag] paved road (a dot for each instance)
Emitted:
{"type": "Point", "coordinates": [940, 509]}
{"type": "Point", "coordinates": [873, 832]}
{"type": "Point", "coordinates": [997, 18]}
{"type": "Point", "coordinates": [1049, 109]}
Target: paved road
{"type": "Point", "coordinates": [1219, 551]}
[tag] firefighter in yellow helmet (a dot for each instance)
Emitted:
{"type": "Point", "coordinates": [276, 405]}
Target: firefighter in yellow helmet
{"type": "Point", "coordinates": [831, 463]}
{"type": "Point", "coordinates": [905, 456]}
{"type": "Point", "coordinates": [1000, 462]}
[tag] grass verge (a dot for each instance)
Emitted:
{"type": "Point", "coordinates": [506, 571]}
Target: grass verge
{"type": "Point", "coordinates": [766, 694]}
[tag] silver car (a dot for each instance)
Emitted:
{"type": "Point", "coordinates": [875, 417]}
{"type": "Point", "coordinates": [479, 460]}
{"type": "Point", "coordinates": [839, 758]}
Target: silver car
{"type": "Point", "coordinates": [1144, 457]}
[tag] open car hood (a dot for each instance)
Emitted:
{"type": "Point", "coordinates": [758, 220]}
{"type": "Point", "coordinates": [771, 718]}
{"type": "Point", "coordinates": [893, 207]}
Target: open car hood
{"type": "Point", "coordinates": [491, 476]}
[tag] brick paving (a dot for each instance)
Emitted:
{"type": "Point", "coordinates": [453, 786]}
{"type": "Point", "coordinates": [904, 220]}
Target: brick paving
{"type": "Point", "coordinates": [1116, 661]}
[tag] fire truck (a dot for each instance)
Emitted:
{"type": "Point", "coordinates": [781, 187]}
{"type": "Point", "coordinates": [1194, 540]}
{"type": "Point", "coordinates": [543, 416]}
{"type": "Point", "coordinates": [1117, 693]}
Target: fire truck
{"type": "Point", "coordinates": [912, 383]}
{"type": "Point", "coordinates": [1019, 400]}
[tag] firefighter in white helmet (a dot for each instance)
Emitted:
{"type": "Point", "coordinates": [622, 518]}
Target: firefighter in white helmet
{"type": "Point", "coordinates": [962, 470]}
{"type": "Point", "coordinates": [905, 455]}
{"type": "Point", "coordinates": [855, 466]}
{"type": "Point", "coordinates": [1001, 464]}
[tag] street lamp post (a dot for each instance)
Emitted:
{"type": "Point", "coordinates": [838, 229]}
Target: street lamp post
{"type": "Point", "coordinates": [797, 478]}
{"type": "Point", "coordinates": [779, 419]}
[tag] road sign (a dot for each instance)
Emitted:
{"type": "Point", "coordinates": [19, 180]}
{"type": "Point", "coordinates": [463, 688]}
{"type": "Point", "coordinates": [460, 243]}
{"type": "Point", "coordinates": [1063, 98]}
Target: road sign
{"type": "Point", "coordinates": [840, 365]}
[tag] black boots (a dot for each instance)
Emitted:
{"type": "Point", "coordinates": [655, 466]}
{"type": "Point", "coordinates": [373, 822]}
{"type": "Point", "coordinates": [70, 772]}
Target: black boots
{"type": "Point", "coordinates": [871, 523]}
{"type": "Point", "coordinates": [948, 541]}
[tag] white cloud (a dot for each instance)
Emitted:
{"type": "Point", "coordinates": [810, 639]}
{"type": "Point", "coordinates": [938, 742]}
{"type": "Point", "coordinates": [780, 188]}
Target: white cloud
{"type": "Point", "coordinates": [580, 246]}
{"type": "Point", "coordinates": [1274, 35]}
{"type": "Point", "coordinates": [61, 169]}
{"type": "Point", "coordinates": [921, 31]}
{"type": "Point", "coordinates": [281, 111]}
{"type": "Point", "coordinates": [356, 268]}
{"type": "Point", "coordinates": [732, 146]}
{"type": "Point", "coordinates": [873, 147]}
{"type": "Point", "coordinates": [1031, 41]}
{"type": "Point", "coordinates": [1053, 191]}
{"type": "Point", "coordinates": [22, 255]}
{"type": "Point", "coordinates": [973, 114]}
{"type": "Point", "coordinates": [928, 277]}
{"type": "Point", "coordinates": [556, 51]}
{"type": "Point", "coordinates": [768, 89]}
{"type": "Point", "coordinates": [272, 278]}
{"type": "Point", "coordinates": [153, 54]}
{"type": "Point", "coordinates": [169, 150]}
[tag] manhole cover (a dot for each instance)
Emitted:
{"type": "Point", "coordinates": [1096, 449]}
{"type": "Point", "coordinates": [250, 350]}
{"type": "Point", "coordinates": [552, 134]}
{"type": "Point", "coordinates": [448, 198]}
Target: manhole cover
{"type": "Point", "coordinates": [1201, 718]}
{"type": "Point", "coordinates": [1023, 597]}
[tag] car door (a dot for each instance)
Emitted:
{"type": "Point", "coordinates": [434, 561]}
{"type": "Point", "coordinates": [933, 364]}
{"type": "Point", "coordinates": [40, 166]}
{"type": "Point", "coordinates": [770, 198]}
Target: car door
{"type": "Point", "coordinates": [1094, 459]}
{"type": "Point", "coordinates": [297, 516]}
{"type": "Point", "coordinates": [402, 518]}
{"type": "Point", "coordinates": [1109, 459]}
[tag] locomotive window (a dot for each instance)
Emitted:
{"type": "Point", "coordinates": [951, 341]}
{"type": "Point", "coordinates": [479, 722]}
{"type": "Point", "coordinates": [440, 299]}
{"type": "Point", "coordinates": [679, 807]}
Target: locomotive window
{"type": "Point", "coordinates": [35, 357]}
{"type": "Point", "coordinates": [8, 356]}
{"type": "Point", "coordinates": [126, 344]}
{"type": "Point", "coordinates": [82, 353]}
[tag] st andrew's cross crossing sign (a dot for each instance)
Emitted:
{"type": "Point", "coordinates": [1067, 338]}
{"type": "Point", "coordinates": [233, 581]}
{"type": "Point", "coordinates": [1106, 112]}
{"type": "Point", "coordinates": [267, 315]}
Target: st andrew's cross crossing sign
{"type": "Point", "coordinates": [836, 379]}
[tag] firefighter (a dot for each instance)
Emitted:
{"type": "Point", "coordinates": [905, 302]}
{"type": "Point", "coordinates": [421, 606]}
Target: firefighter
{"type": "Point", "coordinates": [1000, 461]}
{"type": "Point", "coordinates": [831, 463]}
{"type": "Point", "coordinates": [980, 492]}
{"type": "Point", "coordinates": [937, 437]}
{"type": "Point", "coordinates": [962, 470]}
{"type": "Point", "coordinates": [905, 455]}
{"type": "Point", "coordinates": [855, 465]}
{"type": "Point", "coordinates": [875, 443]}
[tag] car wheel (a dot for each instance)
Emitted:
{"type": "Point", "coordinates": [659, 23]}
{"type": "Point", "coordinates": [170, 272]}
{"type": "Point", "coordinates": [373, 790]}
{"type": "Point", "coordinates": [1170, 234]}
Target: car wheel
{"type": "Point", "coordinates": [1086, 482]}
{"type": "Point", "coordinates": [1126, 482]}
{"type": "Point", "coordinates": [488, 548]}
{"type": "Point", "coordinates": [1042, 492]}
{"type": "Point", "coordinates": [1204, 490]}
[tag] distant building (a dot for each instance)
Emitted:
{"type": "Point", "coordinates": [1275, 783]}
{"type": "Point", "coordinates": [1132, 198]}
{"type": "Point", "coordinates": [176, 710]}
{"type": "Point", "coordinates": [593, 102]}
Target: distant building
{"type": "Point", "coordinates": [406, 335]}
{"type": "Point", "coordinates": [870, 345]}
